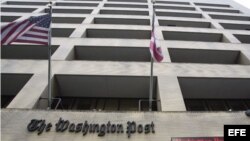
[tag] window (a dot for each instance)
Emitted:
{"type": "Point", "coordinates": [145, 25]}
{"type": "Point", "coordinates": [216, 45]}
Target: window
{"type": "Point", "coordinates": [108, 93]}
{"type": "Point", "coordinates": [215, 94]}
{"type": "Point", "coordinates": [77, 4]}
{"type": "Point", "coordinates": [24, 10]}
{"type": "Point", "coordinates": [128, 1]}
{"type": "Point", "coordinates": [69, 20]}
{"type": "Point", "coordinates": [112, 53]}
{"type": "Point", "coordinates": [184, 23]}
{"type": "Point", "coordinates": [11, 84]}
{"type": "Point", "coordinates": [237, 105]}
{"type": "Point", "coordinates": [220, 10]}
{"type": "Point", "coordinates": [121, 21]}
{"type": "Point", "coordinates": [227, 17]}
{"type": "Point", "coordinates": [193, 36]}
{"type": "Point", "coordinates": [212, 5]}
{"type": "Point", "coordinates": [62, 32]}
{"type": "Point", "coordinates": [204, 56]}
{"type": "Point", "coordinates": [125, 5]}
{"type": "Point", "coordinates": [173, 2]}
{"type": "Point", "coordinates": [124, 12]}
{"type": "Point", "coordinates": [25, 3]}
{"type": "Point", "coordinates": [236, 26]}
{"type": "Point", "coordinates": [175, 14]}
{"type": "Point", "coordinates": [243, 38]}
{"type": "Point", "coordinates": [117, 33]}
{"type": "Point", "coordinates": [174, 7]}
{"type": "Point", "coordinates": [101, 104]}
{"type": "Point", "coordinates": [217, 104]}
{"type": "Point", "coordinates": [82, 0]}
{"type": "Point", "coordinates": [8, 18]}
{"type": "Point", "coordinates": [195, 105]}
{"type": "Point", "coordinates": [214, 88]}
{"type": "Point", "coordinates": [26, 51]}
{"type": "Point", "coordinates": [69, 11]}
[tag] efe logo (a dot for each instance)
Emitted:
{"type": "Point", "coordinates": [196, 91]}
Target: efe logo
{"type": "Point", "coordinates": [237, 132]}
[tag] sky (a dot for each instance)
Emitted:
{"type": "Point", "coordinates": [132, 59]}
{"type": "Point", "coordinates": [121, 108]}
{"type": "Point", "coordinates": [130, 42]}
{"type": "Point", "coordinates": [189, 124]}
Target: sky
{"type": "Point", "coordinates": [245, 3]}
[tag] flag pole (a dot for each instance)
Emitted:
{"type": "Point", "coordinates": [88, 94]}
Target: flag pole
{"type": "Point", "coordinates": [152, 64]}
{"type": "Point", "coordinates": [49, 59]}
{"type": "Point", "coordinates": [151, 85]}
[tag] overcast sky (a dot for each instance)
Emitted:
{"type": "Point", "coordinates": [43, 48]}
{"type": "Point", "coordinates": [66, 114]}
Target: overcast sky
{"type": "Point", "coordinates": [246, 3]}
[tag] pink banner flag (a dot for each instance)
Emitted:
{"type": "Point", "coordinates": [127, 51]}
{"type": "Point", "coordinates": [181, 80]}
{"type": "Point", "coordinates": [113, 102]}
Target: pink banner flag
{"type": "Point", "coordinates": [155, 51]}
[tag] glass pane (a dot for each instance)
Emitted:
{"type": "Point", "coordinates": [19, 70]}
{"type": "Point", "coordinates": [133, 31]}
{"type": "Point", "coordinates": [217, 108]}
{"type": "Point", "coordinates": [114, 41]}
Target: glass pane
{"type": "Point", "coordinates": [83, 104]}
{"type": "Point", "coordinates": [195, 105]}
{"type": "Point", "coordinates": [111, 105]}
{"type": "Point", "coordinates": [217, 105]}
{"type": "Point", "coordinates": [129, 105]}
{"type": "Point", "coordinates": [67, 103]}
{"type": "Point", "coordinates": [100, 104]}
{"type": "Point", "coordinates": [145, 107]}
{"type": "Point", "coordinates": [248, 103]}
{"type": "Point", "coordinates": [237, 105]}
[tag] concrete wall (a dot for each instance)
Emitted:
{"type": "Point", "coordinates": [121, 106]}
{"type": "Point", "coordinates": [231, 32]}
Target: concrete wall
{"type": "Point", "coordinates": [167, 124]}
{"type": "Point", "coordinates": [173, 121]}
{"type": "Point", "coordinates": [169, 91]}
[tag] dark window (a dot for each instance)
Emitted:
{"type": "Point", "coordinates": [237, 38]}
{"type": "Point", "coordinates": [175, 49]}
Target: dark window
{"type": "Point", "coordinates": [217, 104]}
{"type": "Point", "coordinates": [247, 103]}
{"type": "Point", "coordinates": [195, 105]}
{"type": "Point", "coordinates": [99, 104]}
{"type": "Point", "coordinates": [237, 105]}
{"type": "Point", "coordinates": [11, 84]}
{"type": "Point", "coordinates": [5, 100]}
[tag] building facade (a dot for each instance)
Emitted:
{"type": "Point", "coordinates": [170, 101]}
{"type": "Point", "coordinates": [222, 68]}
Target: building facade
{"type": "Point", "coordinates": [101, 67]}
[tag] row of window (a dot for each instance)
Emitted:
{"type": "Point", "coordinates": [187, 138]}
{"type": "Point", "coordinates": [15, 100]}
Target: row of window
{"type": "Point", "coordinates": [119, 104]}
{"type": "Point", "coordinates": [127, 1]}
{"type": "Point", "coordinates": [136, 54]}
{"type": "Point", "coordinates": [78, 10]}
{"type": "Point", "coordinates": [79, 20]}
{"type": "Point", "coordinates": [145, 34]}
{"type": "Point", "coordinates": [118, 93]}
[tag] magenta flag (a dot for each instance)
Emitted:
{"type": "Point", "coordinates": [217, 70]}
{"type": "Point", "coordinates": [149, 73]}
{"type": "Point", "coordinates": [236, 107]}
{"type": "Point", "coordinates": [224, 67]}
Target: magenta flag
{"type": "Point", "coordinates": [155, 51]}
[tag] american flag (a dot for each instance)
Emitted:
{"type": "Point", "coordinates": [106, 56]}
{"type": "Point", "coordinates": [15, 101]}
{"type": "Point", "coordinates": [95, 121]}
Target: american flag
{"type": "Point", "coordinates": [34, 30]}
{"type": "Point", "coordinates": [155, 51]}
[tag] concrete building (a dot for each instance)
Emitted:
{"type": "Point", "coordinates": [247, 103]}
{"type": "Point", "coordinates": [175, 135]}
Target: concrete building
{"type": "Point", "coordinates": [101, 67]}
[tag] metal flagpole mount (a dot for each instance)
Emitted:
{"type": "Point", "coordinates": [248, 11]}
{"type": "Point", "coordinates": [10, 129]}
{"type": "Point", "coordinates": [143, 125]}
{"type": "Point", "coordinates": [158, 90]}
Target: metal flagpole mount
{"type": "Point", "coordinates": [49, 58]}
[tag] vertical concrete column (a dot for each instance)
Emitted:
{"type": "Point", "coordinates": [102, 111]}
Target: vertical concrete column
{"type": "Point", "coordinates": [244, 57]}
{"type": "Point", "coordinates": [170, 94]}
{"type": "Point", "coordinates": [165, 51]}
{"type": "Point", "coordinates": [31, 92]}
{"type": "Point", "coordinates": [80, 31]}
{"type": "Point", "coordinates": [64, 51]}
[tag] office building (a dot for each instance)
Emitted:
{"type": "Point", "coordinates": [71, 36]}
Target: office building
{"type": "Point", "coordinates": [101, 68]}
